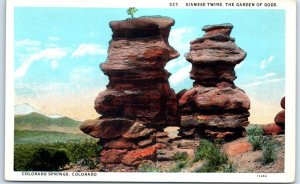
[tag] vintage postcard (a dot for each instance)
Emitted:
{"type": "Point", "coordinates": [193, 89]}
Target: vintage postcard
{"type": "Point", "coordinates": [150, 91]}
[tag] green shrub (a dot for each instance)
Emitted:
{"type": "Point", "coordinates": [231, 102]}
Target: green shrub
{"type": "Point", "coordinates": [204, 150]}
{"type": "Point", "coordinates": [228, 168]}
{"type": "Point", "coordinates": [146, 167]}
{"type": "Point", "coordinates": [255, 136]}
{"type": "Point", "coordinates": [182, 161]}
{"type": "Point", "coordinates": [183, 156]}
{"type": "Point", "coordinates": [256, 142]}
{"type": "Point", "coordinates": [47, 159]}
{"type": "Point", "coordinates": [26, 154]}
{"type": "Point", "coordinates": [254, 130]}
{"type": "Point", "coordinates": [269, 151]}
{"type": "Point", "coordinates": [214, 158]}
{"type": "Point", "coordinates": [84, 149]}
{"type": "Point", "coordinates": [179, 166]}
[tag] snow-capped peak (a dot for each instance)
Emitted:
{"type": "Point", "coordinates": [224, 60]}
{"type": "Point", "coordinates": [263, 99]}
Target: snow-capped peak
{"type": "Point", "coordinates": [25, 108]}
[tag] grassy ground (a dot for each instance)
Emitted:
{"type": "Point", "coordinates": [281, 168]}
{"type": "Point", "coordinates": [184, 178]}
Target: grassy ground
{"type": "Point", "coordinates": [38, 137]}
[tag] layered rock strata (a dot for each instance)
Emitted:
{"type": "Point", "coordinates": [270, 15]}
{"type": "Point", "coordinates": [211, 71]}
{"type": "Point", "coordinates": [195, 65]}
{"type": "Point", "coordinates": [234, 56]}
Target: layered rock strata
{"type": "Point", "coordinates": [138, 102]}
{"type": "Point", "coordinates": [214, 107]}
{"type": "Point", "coordinates": [280, 117]}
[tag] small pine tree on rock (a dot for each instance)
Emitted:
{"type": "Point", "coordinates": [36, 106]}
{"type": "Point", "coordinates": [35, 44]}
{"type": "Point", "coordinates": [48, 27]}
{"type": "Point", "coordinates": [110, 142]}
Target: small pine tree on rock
{"type": "Point", "coordinates": [131, 11]}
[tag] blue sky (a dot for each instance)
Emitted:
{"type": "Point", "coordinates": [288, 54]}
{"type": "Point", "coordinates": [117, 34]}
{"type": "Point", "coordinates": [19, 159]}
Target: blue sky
{"type": "Point", "coordinates": [58, 52]}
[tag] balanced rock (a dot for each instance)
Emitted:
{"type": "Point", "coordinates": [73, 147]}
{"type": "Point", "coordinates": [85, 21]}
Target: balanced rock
{"type": "Point", "coordinates": [138, 102]}
{"type": "Point", "coordinates": [214, 107]}
{"type": "Point", "coordinates": [272, 129]}
{"type": "Point", "coordinates": [280, 117]}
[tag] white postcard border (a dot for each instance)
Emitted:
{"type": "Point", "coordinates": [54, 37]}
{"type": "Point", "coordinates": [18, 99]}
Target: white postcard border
{"type": "Point", "coordinates": [287, 176]}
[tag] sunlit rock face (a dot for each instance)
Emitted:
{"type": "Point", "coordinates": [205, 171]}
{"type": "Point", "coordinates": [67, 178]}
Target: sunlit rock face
{"type": "Point", "coordinates": [138, 102]}
{"type": "Point", "coordinates": [214, 107]}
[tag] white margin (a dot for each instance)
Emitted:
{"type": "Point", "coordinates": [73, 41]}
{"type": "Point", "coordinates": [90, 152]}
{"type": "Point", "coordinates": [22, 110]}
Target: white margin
{"type": "Point", "coordinates": [287, 176]}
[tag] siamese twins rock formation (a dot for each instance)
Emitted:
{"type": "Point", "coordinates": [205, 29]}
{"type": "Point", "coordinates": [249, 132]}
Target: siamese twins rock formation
{"type": "Point", "coordinates": [214, 107]}
{"type": "Point", "coordinates": [138, 102]}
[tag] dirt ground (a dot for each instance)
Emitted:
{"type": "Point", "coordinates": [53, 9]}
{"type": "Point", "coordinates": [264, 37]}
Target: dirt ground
{"type": "Point", "coordinates": [244, 160]}
{"type": "Point", "coordinates": [249, 162]}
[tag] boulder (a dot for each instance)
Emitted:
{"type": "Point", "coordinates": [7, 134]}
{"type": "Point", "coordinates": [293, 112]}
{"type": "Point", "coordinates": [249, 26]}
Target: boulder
{"type": "Point", "coordinates": [135, 157]}
{"type": "Point", "coordinates": [137, 130]}
{"type": "Point", "coordinates": [225, 98]}
{"type": "Point", "coordinates": [106, 128]}
{"type": "Point", "coordinates": [120, 144]}
{"type": "Point", "coordinates": [280, 119]}
{"type": "Point", "coordinates": [112, 156]}
{"type": "Point", "coordinates": [272, 129]}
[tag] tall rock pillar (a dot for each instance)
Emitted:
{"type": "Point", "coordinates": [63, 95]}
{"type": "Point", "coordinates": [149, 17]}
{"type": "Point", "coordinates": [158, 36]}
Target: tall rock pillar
{"type": "Point", "coordinates": [138, 102]}
{"type": "Point", "coordinates": [214, 107]}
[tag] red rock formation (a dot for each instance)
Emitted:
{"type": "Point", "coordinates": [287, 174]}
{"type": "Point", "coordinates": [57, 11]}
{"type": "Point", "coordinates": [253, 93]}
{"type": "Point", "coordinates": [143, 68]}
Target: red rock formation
{"type": "Point", "coordinates": [138, 102]}
{"type": "Point", "coordinates": [272, 129]}
{"type": "Point", "coordinates": [280, 117]}
{"type": "Point", "coordinates": [214, 107]}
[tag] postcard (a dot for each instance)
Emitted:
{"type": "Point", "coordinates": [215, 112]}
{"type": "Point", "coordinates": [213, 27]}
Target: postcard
{"type": "Point", "coordinates": [150, 91]}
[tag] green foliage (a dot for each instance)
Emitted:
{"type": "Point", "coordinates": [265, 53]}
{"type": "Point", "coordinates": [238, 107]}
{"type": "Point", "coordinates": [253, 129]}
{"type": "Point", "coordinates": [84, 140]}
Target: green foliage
{"type": "Point", "coordinates": [34, 156]}
{"type": "Point", "coordinates": [179, 166]}
{"type": "Point", "coordinates": [254, 130]}
{"type": "Point", "coordinates": [182, 161]}
{"type": "Point", "coordinates": [269, 151]}
{"type": "Point", "coordinates": [82, 150]}
{"type": "Point", "coordinates": [131, 11]}
{"type": "Point", "coordinates": [228, 168]}
{"type": "Point", "coordinates": [42, 137]}
{"type": "Point", "coordinates": [146, 167]}
{"type": "Point", "coordinates": [256, 142]}
{"type": "Point", "coordinates": [204, 150]}
{"type": "Point", "coordinates": [265, 143]}
{"type": "Point", "coordinates": [215, 159]}
{"type": "Point", "coordinates": [47, 159]}
{"type": "Point", "coordinates": [180, 156]}
{"type": "Point", "coordinates": [36, 121]}
{"type": "Point", "coordinates": [255, 136]}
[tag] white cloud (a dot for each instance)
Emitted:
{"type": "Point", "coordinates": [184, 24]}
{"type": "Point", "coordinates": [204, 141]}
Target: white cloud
{"type": "Point", "coordinates": [81, 75]}
{"type": "Point", "coordinates": [51, 45]}
{"type": "Point", "coordinates": [32, 49]}
{"type": "Point", "coordinates": [89, 49]}
{"type": "Point", "coordinates": [179, 40]}
{"type": "Point", "coordinates": [176, 62]}
{"type": "Point", "coordinates": [268, 75]}
{"type": "Point", "coordinates": [180, 75]}
{"type": "Point", "coordinates": [257, 83]}
{"type": "Point", "coordinates": [27, 42]}
{"type": "Point", "coordinates": [54, 64]}
{"type": "Point", "coordinates": [266, 62]}
{"type": "Point", "coordinates": [239, 65]}
{"type": "Point", "coordinates": [49, 54]}
{"type": "Point", "coordinates": [53, 38]}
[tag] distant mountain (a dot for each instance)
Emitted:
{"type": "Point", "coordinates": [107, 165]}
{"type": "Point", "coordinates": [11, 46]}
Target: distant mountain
{"type": "Point", "coordinates": [29, 118]}
{"type": "Point", "coordinates": [45, 137]}
{"type": "Point", "coordinates": [33, 126]}
{"type": "Point", "coordinates": [25, 108]}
